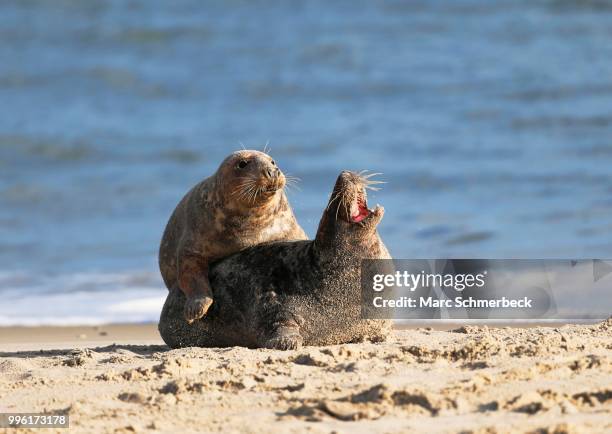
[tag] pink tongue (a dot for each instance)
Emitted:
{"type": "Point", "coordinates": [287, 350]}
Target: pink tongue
{"type": "Point", "coordinates": [362, 213]}
{"type": "Point", "coordinates": [358, 218]}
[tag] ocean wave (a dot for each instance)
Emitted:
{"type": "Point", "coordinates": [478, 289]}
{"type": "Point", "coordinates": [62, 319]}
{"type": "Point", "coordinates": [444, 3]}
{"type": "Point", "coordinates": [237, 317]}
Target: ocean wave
{"type": "Point", "coordinates": [80, 298]}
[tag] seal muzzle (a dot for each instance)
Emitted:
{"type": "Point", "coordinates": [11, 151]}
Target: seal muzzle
{"type": "Point", "coordinates": [349, 198]}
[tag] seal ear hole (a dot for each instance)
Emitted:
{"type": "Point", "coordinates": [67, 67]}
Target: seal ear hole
{"type": "Point", "coordinates": [242, 164]}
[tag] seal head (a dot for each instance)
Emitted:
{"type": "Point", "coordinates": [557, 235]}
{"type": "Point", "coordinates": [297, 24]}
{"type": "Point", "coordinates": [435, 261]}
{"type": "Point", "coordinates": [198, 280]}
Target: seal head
{"type": "Point", "coordinates": [348, 224]}
{"type": "Point", "coordinates": [249, 179]}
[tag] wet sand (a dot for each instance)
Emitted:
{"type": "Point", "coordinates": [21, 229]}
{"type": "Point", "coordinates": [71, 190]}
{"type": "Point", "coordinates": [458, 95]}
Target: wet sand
{"type": "Point", "coordinates": [470, 379]}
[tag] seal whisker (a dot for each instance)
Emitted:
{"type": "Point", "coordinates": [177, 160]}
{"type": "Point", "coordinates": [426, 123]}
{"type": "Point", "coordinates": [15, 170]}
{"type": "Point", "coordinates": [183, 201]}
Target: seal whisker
{"type": "Point", "coordinates": [260, 189]}
{"type": "Point", "coordinates": [247, 182]}
{"type": "Point", "coordinates": [244, 188]}
{"type": "Point", "coordinates": [369, 175]}
{"type": "Point", "coordinates": [342, 200]}
{"type": "Point", "coordinates": [257, 190]}
{"type": "Point", "coordinates": [290, 176]}
{"type": "Point", "coordinates": [236, 191]}
{"type": "Point", "coordinates": [241, 194]}
{"type": "Point", "coordinates": [290, 187]}
{"type": "Point", "coordinates": [332, 200]}
{"type": "Point", "coordinates": [346, 210]}
{"type": "Point", "coordinates": [291, 181]}
{"type": "Point", "coordinates": [249, 191]}
{"type": "Point", "coordinates": [241, 188]}
{"type": "Point", "coordinates": [247, 195]}
{"type": "Point", "coordinates": [369, 183]}
{"type": "Point", "coordinates": [247, 178]}
{"type": "Point", "coordinates": [338, 208]}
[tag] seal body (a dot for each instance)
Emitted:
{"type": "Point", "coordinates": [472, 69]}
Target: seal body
{"type": "Point", "coordinates": [243, 204]}
{"type": "Point", "coordinates": [287, 294]}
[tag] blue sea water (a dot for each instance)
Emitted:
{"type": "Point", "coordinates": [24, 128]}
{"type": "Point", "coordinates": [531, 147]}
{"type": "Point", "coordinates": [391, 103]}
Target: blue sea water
{"type": "Point", "coordinates": [491, 122]}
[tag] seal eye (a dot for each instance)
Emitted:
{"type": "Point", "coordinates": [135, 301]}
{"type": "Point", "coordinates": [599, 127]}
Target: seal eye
{"type": "Point", "coordinates": [273, 163]}
{"type": "Point", "coordinates": [242, 164]}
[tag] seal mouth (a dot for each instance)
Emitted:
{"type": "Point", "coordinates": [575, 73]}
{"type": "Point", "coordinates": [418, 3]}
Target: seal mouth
{"type": "Point", "coordinates": [349, 200]}
{"type": "Point", "coordinates": [272, 186]}
{"type": "Point", "coordinates": [347, 212]}
{"type": "Point", "coordinates": [359, 208]}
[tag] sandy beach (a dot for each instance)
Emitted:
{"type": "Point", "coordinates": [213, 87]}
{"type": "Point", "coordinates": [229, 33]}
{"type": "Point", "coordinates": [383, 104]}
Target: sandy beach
{"type": "Point", "coordinates": [474, 379]}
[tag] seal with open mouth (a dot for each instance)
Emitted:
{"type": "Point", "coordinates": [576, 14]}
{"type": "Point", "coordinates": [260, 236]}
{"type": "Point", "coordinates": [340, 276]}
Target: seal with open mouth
{"type": "Point", "coordinates": [241, 205]}
{"type": "Point", "coordinates": [286, 294]}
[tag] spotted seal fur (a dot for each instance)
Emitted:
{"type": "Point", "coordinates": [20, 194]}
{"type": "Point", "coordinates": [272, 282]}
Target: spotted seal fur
{"type": "Point", "coordinates": [287, 294]}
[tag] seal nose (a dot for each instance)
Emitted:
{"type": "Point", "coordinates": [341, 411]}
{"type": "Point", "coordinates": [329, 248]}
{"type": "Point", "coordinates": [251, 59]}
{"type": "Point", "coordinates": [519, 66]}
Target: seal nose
{"type": "Point", "coordinates": [271, 173]}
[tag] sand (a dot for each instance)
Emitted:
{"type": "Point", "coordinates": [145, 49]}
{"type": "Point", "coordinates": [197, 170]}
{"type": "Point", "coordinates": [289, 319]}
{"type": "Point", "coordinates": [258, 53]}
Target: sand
{"type": "Point", "coordinates": [474, 379]}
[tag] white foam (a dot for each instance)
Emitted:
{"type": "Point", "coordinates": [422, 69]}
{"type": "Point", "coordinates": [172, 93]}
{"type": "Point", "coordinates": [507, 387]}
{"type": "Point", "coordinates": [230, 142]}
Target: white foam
{"type": "Point", "coordinates": [81, 298]}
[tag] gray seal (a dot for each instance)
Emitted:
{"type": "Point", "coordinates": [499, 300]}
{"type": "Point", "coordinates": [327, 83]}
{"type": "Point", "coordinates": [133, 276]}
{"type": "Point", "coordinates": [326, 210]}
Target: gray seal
{"type": "Point", "coordinates": [241, 205]}
{"type": "Point", "coordinates": [287, 294]}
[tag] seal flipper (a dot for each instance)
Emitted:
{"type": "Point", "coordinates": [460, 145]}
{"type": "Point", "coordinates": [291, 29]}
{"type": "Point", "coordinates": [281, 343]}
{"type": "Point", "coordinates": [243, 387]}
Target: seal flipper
{"type": "Point", "coordinates": [279, 326]}
{"type": "Point", "coordinates": [285, 338]}
{"type": "Point", "coordinates": [196, 307]}
{"type": "Point", "coordinates": [193, 281]}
